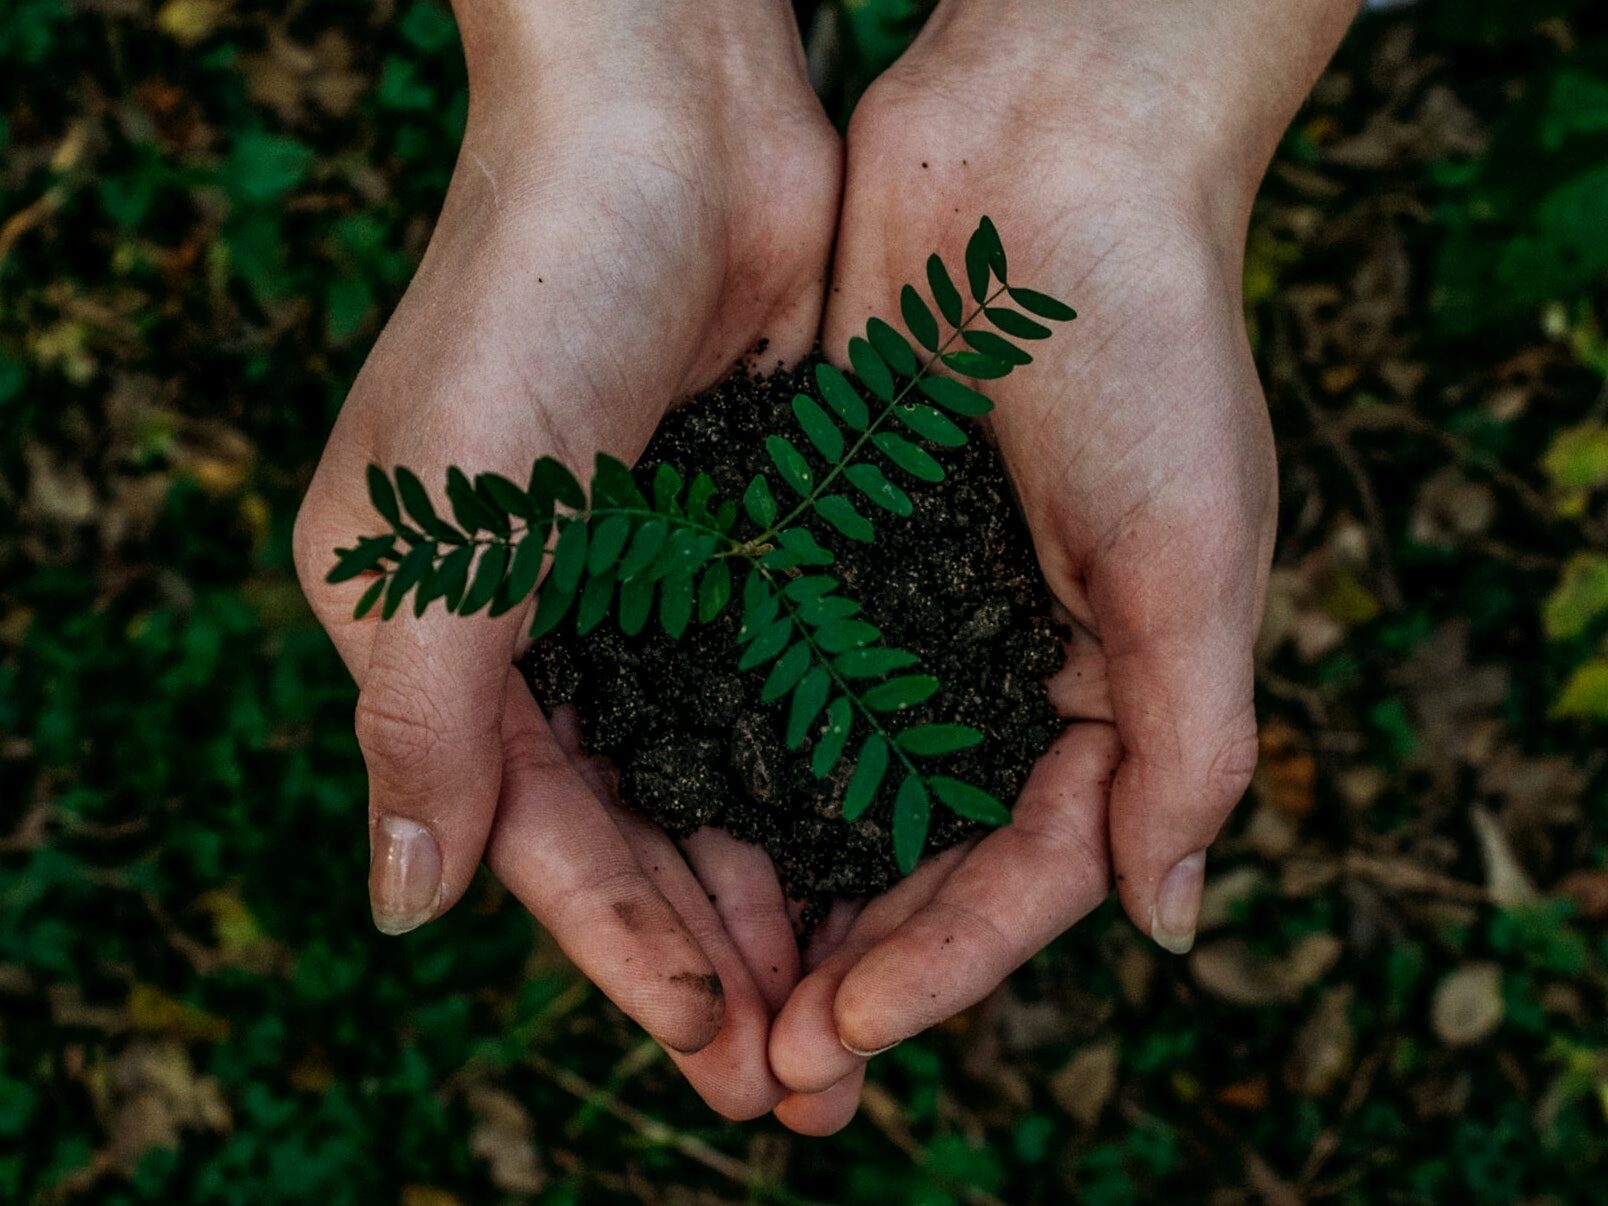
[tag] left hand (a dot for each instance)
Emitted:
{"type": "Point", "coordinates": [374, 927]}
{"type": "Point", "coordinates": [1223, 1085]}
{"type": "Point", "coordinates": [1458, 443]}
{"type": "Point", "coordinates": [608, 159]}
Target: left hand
{"type": "Point", "coordinates": [1140, 445]}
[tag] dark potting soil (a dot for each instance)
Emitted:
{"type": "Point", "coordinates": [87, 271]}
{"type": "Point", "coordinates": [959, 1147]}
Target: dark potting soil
{"type": "Point", "coordinates": [955, 583]}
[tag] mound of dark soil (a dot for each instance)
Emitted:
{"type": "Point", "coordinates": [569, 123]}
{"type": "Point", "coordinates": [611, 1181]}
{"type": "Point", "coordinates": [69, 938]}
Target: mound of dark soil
{"type": "Point", "coordinates": [955, 583]}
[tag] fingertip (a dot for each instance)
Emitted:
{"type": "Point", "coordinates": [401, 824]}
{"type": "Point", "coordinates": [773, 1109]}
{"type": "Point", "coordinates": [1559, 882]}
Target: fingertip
{"type": "Point", "coordinates": [697, 1012]}
{"type": "Point", "coordinates": [817, 1115]}
{"type": "Point", "coordinates": [806, 1053]}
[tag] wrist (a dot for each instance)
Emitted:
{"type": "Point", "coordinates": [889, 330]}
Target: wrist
{"type": "Point", "coordinates": [1197, 95]}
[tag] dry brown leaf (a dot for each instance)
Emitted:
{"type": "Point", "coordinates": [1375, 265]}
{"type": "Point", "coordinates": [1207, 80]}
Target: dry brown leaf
{"type": "Point", "coordinates": [1084, 1086]}
{"type": "Point", "coordinates": [1324, 1046]}
{"type": "Point", "coordinates": [1508, 884]}
{"type": "Point", "coordinates": [1230, 970]}
{"type": "Point", "coordinates": [1468, 1004]}
{"type": "Point", "coordinates": [504, 1137]}
{"type": "Point", "coordinates": [1588, 889]}
{"type": "Point", "coordinates": [149, 1095]}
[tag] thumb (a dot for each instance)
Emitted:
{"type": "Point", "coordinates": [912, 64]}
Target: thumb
{"type": "Point", "coordinates": [1179, 661]}
{"type": "Point", "coordinates": [428, 721]}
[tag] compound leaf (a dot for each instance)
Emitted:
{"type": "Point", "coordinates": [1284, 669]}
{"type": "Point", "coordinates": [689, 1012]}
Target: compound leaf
{"type": "Point", "coordinates": [840, 513]}
{"type": "Point", "coordinates": [912, 811]}
{"type": "Point", "coordinates": [841, 396]}
{"type": "Point", "coordinates": [934, 739]}
{"type": "Point", "coordinates": [971, 802]}
{"type": "Point", "coordinates": [918, 318]}
{"type": "Point", "coordinates": [874, 484]}
{"type": "Point", "coordinates": [871, 368]}
{"type": "Point", "coordinates": [820, 429]}
{"type": "Point", "coordinates": [944, 291]}
{"type": "Point", "coordinates": [839, 720]}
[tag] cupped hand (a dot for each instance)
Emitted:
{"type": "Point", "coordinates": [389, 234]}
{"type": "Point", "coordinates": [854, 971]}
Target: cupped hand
{"type": "Point", "coordinates": [629, 215]}
{"type": "Point", "coordinates": [1139, 443]}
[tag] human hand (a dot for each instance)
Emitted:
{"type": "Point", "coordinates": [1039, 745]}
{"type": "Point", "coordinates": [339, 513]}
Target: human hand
{"type": "Point", "coordinates": [1118, 156]}
{"type": "Point", "coordinates": [629, 215]}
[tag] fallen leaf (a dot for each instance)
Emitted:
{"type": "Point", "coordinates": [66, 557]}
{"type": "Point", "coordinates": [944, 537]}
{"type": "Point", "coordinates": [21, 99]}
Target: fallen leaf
{"type": "Point", "coordinates": [1468, 1004]}
{"type": "Point", "coordinates": [1324, 1046]}
{"type": "Point", "coordinates": [1084, 1086]}
{"type": "Point", "coordinates": [1506, 881]}
{"type": "Point", "coordinates": [504, 1137]}
{"type": "Point", "coordinates": [1230, 970]}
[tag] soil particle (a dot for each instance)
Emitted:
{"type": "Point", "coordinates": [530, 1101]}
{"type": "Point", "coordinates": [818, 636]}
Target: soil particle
{"type": "Point", "coordinates": [956, 583]}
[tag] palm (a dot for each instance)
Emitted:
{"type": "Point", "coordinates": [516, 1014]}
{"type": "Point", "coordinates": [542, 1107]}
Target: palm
{"type": "Point", "coordinates": [1141, 451]}
{"type": "Point", "coordinates": [592, 266]}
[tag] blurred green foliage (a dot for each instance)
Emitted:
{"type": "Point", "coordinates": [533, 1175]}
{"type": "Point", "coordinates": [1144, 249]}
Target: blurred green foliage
{"type": "Point", "coordinates": [206, 209]}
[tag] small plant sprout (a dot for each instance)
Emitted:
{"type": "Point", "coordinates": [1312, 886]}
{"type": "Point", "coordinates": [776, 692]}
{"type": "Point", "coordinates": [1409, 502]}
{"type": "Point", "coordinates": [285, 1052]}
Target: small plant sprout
{"type": "Point", "coordinates": [615, 551]}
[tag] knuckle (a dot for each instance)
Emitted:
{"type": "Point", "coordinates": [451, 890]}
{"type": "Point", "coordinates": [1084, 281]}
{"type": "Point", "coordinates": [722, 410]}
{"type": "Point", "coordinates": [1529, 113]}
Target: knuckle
{"type": "Point", "coordinates": [394, 735]}
{"type": "Point", "coordinates": [1229, 772]}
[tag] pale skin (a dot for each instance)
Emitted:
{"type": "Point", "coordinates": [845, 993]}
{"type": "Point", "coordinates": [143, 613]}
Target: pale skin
{"type": "Point", "coordinates": [629, 214]}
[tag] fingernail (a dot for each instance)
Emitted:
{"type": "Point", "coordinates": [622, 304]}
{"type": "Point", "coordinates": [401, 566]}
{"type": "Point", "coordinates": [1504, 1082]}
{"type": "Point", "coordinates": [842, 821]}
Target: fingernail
{"type": "Point", "coordinates": [404, 875]}
{"type": "Point", "coordinates": [855, 1051]}
{"type": "Point", "coordinates": [1177, 909]}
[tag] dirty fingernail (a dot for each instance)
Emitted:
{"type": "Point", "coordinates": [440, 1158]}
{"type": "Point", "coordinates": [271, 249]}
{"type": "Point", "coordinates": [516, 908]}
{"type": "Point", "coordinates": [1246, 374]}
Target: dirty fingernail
{"type": "Point", "coordinates": [404, 875]}
{"type": "Point", "coordinates": [1177, 909]}
{"type": "Point", "coordinates": [855, 1051]}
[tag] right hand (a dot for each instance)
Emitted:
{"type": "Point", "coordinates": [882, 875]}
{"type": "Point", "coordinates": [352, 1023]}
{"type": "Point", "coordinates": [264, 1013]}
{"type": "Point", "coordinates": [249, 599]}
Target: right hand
{"type": "Point", "coordinates": [630, 214]}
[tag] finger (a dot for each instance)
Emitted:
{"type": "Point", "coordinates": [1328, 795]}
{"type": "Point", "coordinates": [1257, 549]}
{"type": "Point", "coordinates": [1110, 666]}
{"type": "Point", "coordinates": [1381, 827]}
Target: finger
{"type": "Point", "coordinates": [1020, 887]}
{"type": "Point", "coordinates": [1079, 690]}
{"type": "Point", "coordinates": [824, 1113]}
{"type": "Point", "coordinates": [805, 1051]}
{"type": "Point", "coordinates": [429, 718]}
{"type": "Point", "coordinates": [741, 883]}
{"type": "Point", "coordinates": [1179, 659]}
{"type": "Point", "coordinates": [732, 1074]}
{"type": "Point", "coordinates": [557, 850]}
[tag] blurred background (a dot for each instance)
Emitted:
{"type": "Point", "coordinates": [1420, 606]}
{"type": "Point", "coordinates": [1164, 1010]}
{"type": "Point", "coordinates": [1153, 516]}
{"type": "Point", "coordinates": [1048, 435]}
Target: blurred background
{"type": "Point", "coordinates": [207, 207]}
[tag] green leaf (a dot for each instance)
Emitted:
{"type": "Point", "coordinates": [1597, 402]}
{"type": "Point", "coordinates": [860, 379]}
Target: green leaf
{"type": "Point", "coordinates": [552, 479]}
{"type": "Point", "coordinates": [977, 265]}
{"type": "Point", "coordinates": [809, 697]}
{"type": "Point", "coordinates": [1580, 597]}
{"type": "Point", "coordinates": [842, 635]}
{"type": "Point", "coordinates": [871, 368]}
{"type": "Point", "coordinates": [874, 484]}
{"type": "Point", "coordinates": [930, 424]}
{"type": "Point", "coordinates": [613, 485]}
{"type": "Point", "coordinates": [714, 591]}
{"type": "Point", "coordinates": [820, 429]}
{"type": "Point", "coordinates": [810, 586]}
{"type": "Point", "coordinates": [726, 516]}
{"type": "Point", "coordinates": [767, 643]}
{"type": "Point", "coordinates": [452, 575]}
{"type": "Point", "coordinates": [366, 555]}
{"type": "Point", "coordinates": [841, 396]}
{"type": "Point", "coordinates": [595, 599]}
{"type": "Point", "coordinates": [607, 542]}
{"type": "Point", "coordinates": [552, 604]}
{"type": "Point", "coordinates": [804, 547]}
{"type": "Point", "coordinates": [1585, 694]}
{"type": "Point", "coordinates": [944, 291]}
{"type": "Point", "coordinates": [703, 489]}
{"type": "Point", "coordinates": [869, 768]}
{"type": "Point", "coordinates": [383, 496]}
{"type": "Point", "coordinates": [569, 556]}
{"type": "Point", "coordinates": [997, 347]}
{"type": "Point", "coordinates": [1015, 323]}
{"type": "Point", "coordinates": [956, 396]}
{"type": "Point", "coordinates": [872, 663]}
{"type": "Point", "coordinates": [840, 513]}
{"type": "Point", "coordinates": [527, 567]}
{"type": "Point", "coordinates": [991, 243]}
{"type": "Point", "coordinates": [636, 604]}
{"type": "Point", "coordinates": [666, 488]}
{"type": "Point", "coordinates": [975, 364]}
{"type": "Point", "coordinates": [918, 319]}
{"type": "Point", "coordinates": [912, 458]}
{"type": "Point", "coordinates": [784, 675]}
{"type": "Point", "coordinates": [934, 739]}
{"type": "Point", "coordinates": [790, 463]}
{"type": "Point", "coordinates": [971, 802]}
{"type": "Point", "coordinates": [839, 720]}
{"type": "Point", "coordinates": [759, 502]}
{"type": "Point", "coordinates": [418, 505]}
{"type": "Point", "coordinates": [827, 608]}
{"type": "Point", "coordinates": [912, 811]}
{"type": "Point", "coordinates": [488, 577]}
{"type": "Point", "coordinates": [473, 513]}
{"type": "Point", "coordinates": [675, 604]}
{"type": "Point", "coordinates": [904, 692]}
{"type": "Point", "coordinates": [894, 347]}
{"type": "Point", "coordinates": [645, 546]}
{"type": "Point", "coordinates": [1043, 305]}
{"type": "Point", "coordinates": [370, 597]}
{"type": "Point", "coordinates": [756, 615]}
{"type": "Point", "coordinates": [501, 493]}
